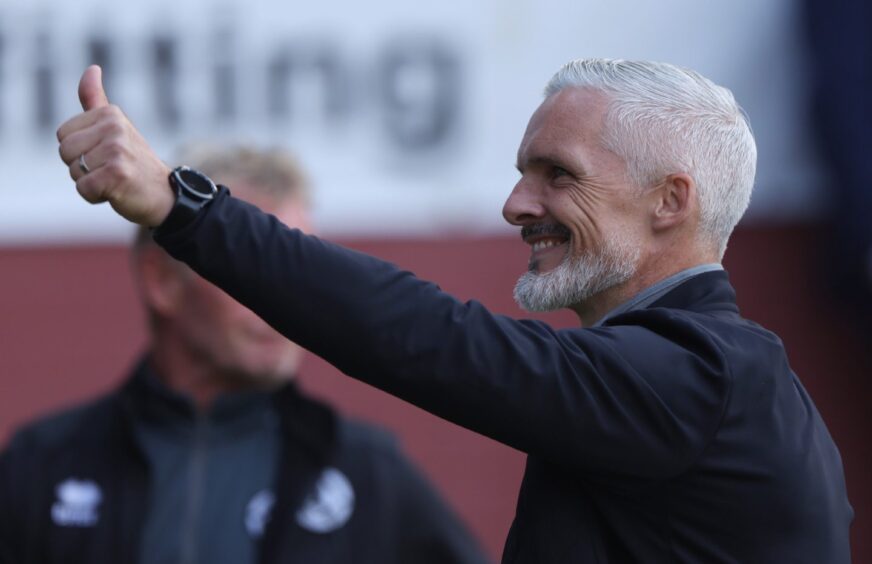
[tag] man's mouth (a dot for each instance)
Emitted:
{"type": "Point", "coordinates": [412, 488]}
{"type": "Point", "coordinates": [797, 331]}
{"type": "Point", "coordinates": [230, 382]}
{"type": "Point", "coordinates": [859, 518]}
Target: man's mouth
{"type": "Point", "coordinates": [543, 239]}
{"type": "Point", "coordinates": [543, 244]}
{"type": "Point", "coordinates": [546, 235]}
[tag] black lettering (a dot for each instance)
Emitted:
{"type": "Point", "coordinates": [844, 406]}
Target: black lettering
{"type": "Point", "coordinates": [44, 82]}
{"type": "Point", "coordinates": [2, 76]}
{"type": "Point", "coordinates": [100, 53]}
{"type": "Point", "coordinates": [165, 77]}
{"type": "Point", "coordinates": [420, 89]}
{"type": "Point", "coordinates": [224, 76]}
{"type": "Point", "coordinates": [293, 66]}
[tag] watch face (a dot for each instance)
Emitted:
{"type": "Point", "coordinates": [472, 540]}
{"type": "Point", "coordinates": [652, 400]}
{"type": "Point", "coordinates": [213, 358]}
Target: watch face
{"type": "Point", "coordinates": [195, 183]}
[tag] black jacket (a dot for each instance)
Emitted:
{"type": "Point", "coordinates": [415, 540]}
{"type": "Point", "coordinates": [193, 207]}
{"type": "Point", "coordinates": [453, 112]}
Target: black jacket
{"type": "Point", "coordinates": [675, 433]}
{"type": "Point", "coordinates": [396, 516]}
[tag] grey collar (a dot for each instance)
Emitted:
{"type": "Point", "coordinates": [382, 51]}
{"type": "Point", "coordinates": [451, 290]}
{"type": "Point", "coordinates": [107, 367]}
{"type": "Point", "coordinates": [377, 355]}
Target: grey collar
{"type": "Point", "coordinates": [656, 291]}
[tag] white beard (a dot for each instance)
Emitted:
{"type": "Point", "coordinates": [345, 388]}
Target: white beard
{"type": "Point", "coordinates": [576, 279]}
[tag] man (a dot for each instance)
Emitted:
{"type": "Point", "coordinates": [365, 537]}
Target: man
{"type": "Point", "coordinates": [838, 37]}
{"type": "Point", "coordinates": [667, 429]}
{"type": "Point", "coordinates": [208, 453]}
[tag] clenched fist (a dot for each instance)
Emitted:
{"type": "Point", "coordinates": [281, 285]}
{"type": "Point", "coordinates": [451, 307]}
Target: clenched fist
{"type": "Point", "coordinates": [110, 161]}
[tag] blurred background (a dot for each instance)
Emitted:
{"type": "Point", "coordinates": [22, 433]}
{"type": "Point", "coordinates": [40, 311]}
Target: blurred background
{"type": "Point", "coordinates": [407, 118]}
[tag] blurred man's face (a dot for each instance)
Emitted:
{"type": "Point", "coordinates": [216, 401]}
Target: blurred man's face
{"type": "Point", "coordinates": [219, 331]}
{"type": "Point", "coordinates": [575, 204]}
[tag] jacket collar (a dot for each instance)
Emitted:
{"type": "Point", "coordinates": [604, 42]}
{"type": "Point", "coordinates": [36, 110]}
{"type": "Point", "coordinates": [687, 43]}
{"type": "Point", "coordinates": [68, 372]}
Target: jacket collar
{"type": "Point", "coordinates": [710, 291]}
{"type": "Point", "coordinates": [305, 423]}
{"type": "Point", "coordinates": [706, 292]}
{"type": "Point", "coordinates": [657, 290]}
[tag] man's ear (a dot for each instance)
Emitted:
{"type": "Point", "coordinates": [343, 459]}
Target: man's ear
{"type": "Point", "coordinates": [161, 281]}
{"type": "Point", "coordinates": [676, 201]}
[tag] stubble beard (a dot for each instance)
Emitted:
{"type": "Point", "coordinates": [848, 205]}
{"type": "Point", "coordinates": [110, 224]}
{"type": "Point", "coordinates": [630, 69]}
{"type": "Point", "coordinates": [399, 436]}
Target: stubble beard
{"type": "Point", "coordinates": [578, 278]}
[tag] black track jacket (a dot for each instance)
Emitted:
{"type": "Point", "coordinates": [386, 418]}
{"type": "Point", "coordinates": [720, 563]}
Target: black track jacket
{"type": "Point", "coordinates": [675, 433]}
{"type": "Point", "coordinates": [396, 517]}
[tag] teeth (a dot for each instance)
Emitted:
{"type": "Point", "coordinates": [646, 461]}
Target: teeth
{"type": "Point", "coordinates": [538, 246]}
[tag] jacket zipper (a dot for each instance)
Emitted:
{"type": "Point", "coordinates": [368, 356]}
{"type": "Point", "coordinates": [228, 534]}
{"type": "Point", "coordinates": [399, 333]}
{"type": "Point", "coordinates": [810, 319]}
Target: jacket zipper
{"type": "Point", "coordinates": [196, 485]}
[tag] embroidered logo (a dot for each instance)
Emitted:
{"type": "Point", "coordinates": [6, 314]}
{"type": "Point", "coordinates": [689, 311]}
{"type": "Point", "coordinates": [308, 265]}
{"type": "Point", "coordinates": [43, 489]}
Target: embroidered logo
{"type": "Point", "coordinates": [330, 506]}
{"type": "Point", "coordinates": [77, 503]}
{"type": "Point", "coordinates": [257, 513]}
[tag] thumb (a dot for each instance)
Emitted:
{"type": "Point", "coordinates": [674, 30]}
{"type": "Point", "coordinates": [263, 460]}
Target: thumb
{"type": "Point", "coordinates": [91, 93]}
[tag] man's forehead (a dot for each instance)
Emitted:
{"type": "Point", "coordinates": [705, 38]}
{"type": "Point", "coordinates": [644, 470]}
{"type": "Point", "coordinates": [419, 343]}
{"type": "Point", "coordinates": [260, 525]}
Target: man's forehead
{"type": "Point", "coordinates": [567, 119]}
{"type": "Point", "coordinates": [574, 104]}
{"type": "Point", "coordinates": [262, 196]}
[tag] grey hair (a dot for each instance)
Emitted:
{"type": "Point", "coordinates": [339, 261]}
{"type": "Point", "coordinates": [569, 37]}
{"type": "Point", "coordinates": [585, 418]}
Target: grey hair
{"type": "Point", "coordinates": [663, 119]}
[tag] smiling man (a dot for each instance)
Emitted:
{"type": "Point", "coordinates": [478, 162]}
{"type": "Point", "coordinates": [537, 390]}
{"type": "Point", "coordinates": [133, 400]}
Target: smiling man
{"type": "Point", "coordinates": [666, 429]}
{"type": "Point", "coordinates": [605, 223]}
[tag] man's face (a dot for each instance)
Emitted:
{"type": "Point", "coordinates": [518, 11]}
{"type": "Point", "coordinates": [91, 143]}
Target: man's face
{"type": "Point", "coordinates": [575, 203]}
{"type": "Point", "coordinates": [221, 333]}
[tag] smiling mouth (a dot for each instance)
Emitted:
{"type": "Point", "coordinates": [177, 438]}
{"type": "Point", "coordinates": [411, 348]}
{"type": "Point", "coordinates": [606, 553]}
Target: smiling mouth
{"type": "Point", "coordinates": [543, 244]}
{"type": "Point", "coordinates": [543, 236]}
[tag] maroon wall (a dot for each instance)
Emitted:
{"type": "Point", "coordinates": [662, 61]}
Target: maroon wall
{"type": "Point", "coordinates": [70, 326]}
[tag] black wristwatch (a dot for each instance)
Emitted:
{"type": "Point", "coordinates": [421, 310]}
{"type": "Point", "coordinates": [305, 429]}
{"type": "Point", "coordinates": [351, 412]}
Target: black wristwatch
{"type": "Point", "coordinates": [193, 191]}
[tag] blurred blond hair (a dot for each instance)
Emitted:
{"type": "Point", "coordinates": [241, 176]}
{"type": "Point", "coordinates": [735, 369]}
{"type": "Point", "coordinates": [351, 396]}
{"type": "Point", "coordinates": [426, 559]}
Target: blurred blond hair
{"type": "Point", "coordinates": [274, 172]}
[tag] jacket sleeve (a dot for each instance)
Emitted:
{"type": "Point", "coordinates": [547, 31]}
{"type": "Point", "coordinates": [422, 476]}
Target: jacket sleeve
{"type": "Point", "coordinates": [642, 398]}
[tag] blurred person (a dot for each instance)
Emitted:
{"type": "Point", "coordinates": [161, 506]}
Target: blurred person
{"type": "Point", "coordinates": [667, 428]}
{"type": "Point", "coordinates": [840, 59]}
{"type": "Point", "coordinates": [208, 452]}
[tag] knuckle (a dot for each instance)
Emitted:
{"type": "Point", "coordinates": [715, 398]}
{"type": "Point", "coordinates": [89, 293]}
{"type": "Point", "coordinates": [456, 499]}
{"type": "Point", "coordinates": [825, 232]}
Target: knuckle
{"type": "Point", "coordinates": [112, 128]}
{"type": "Point", "coordinates": [114, 111]}
{"type": "Point", "coordinates": [111, 151]}
{"type": "Point", "coordinates": [110, 167]}
{"type": "Point", "coordinates": [115, 168]}
{"type": "Point", "coordinates": [67, 152]}
{"type": "Point", "coordinates": [124, 153]}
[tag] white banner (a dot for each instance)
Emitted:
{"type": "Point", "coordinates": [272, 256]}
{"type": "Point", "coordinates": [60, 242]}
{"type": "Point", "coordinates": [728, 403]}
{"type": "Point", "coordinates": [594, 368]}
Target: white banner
{"type": "Point", "coordinates": [407, 115]}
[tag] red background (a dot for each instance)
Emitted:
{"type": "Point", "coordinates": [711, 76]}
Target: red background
{"type": "Point", "coordinates": [71, 326]}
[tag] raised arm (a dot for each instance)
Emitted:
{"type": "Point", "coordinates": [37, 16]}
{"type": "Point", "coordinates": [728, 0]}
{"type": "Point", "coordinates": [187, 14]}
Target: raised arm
{"type": "Point", "coordinates": [588, 398]}
{"type": "Point", "coordinates": [591, 398]}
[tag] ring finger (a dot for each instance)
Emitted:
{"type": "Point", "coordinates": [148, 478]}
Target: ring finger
{"type": "Point", "coordinates": [86, 162]}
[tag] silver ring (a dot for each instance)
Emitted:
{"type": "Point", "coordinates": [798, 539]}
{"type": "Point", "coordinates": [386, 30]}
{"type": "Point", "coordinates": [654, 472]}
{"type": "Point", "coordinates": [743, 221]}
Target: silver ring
{"type": "Point", "coordinates": [82, 165]}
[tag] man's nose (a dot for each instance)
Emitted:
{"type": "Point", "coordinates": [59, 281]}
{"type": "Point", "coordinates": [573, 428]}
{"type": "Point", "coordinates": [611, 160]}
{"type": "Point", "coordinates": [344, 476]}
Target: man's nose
{"type": "Point", "coordinates": [523, 205]}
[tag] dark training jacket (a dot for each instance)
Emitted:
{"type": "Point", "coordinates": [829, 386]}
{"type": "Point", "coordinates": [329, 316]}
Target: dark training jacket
{"type": "Point", "coordinates": [92, 452]}
{"type": "Point", "coordinates": [674, 433]}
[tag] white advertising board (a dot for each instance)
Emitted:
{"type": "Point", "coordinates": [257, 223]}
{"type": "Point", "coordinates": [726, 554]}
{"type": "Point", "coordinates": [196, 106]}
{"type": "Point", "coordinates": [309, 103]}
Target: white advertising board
{"type": "Point", "coordinates": [407, 115]}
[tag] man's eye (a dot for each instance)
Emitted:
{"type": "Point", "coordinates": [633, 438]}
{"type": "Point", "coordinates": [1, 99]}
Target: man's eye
{"type": "Point", "coordinates": [558, 171]}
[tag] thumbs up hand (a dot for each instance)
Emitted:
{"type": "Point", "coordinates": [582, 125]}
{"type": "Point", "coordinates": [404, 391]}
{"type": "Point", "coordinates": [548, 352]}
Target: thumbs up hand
{"type": "Point", "coordinates": [110, 161]}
